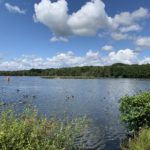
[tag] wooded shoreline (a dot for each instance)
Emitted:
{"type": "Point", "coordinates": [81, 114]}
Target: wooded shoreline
{"type": "Point", "coordinates": [118, 70]}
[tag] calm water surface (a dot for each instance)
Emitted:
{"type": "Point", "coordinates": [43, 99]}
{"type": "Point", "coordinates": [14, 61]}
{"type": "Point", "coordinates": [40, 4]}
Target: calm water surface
{"type": "Point", "coordinates": [95, 98]}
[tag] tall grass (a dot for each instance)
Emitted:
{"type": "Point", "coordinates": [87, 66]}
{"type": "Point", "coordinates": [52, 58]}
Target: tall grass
{"type": "Point", "coordinates": [27, 131]}
{"type": "Point", "coordinates": [139, 142]}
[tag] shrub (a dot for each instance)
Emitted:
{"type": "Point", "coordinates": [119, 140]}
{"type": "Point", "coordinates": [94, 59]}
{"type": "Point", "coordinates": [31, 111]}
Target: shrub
{"type": "Point", "coordinates": [135, 111]}
{"type": "Point", "coordinates": [27, 131]}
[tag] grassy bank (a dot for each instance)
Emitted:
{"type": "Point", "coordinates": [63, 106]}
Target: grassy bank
{"type": "Point", "coordinates": [135, 113]}
{"type": "Point", "coordinates": [26, 131]}
{"type": "Point", "coordinates": [140, 142]}
{"type": "Point", "coordinates": [68, 77]}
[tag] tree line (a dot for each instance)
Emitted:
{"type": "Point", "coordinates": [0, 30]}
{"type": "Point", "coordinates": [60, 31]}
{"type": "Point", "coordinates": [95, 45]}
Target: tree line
{"type": "Point", "coordinates": [117, 70]}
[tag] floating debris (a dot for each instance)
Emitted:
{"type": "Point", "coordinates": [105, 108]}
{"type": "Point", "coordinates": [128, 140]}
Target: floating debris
{"type": "Point", "coordinates": [25, 96]}
{"type": "Point", "coordinates": [70, 97]}
{"type": "Point", "coordinates": [33, 96]}
{"type": "Point", "coordinates": [18, 90]}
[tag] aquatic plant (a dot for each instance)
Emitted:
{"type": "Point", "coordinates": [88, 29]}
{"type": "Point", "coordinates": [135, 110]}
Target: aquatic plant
{"type": "Point", "coordinates": [27, 131]}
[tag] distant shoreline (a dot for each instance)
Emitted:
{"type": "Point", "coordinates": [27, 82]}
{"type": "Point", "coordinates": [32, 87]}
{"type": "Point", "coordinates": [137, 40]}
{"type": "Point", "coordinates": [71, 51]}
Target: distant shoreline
{"type": "Point", "coordinates": [75, 77]}
{"type": "Point", "coordinates": [72, 77]}
{"type": "Point", "coordinates": [69, 77]}
{"type": "Point", "coordinates": [87, 72]}
{"type": "Point", "coordinates": [86, 77]}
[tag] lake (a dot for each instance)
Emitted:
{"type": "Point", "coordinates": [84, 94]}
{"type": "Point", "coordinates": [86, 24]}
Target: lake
{"type": "Point", "coordinates": [98, 99]}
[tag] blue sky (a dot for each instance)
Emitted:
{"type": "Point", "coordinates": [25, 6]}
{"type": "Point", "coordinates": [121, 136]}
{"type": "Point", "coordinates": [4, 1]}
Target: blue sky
{"type": "Point", "coordinates": [64, 33]}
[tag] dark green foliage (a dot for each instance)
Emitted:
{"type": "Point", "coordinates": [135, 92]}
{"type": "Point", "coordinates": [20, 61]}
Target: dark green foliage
{"type": "Point", "coordinates": [135, 111]}
{"type": "Point", "coordinates": [115, 71]}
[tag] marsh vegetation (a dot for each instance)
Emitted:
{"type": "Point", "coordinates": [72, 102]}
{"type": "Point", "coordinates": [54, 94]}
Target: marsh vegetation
{"type": "Point", "coordinates": [28, 131]}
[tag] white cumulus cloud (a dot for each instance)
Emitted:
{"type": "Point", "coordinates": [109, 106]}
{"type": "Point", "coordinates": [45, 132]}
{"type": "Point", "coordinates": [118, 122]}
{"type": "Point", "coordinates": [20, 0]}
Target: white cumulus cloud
{"type": "Point", "coordinates": [107, 48]}
{"type": "Point", "coordinates": [55, 39]}
{"type": "Point", "coordinates": [119, 36]}
{"type": "Point", "coordinates": [127, 18]}
{"type": "Point", "coordinates": [126, 56]}
{"type": "Point", "coordinates": [145, 61]}
{"type": "Point", "coordinates": [14, 9]}
{"type": "Point", "coordinates": [134, 27]}
{"type": "Point", "coordinates": [54, 15]}
{"type": "Point", "coordinates": [121, 24]}
{"type": "Point", "coordinates": [88, 20]}
{"type": "Point", "coordinates": [70, 59]}
{"type": "Point", "coordinates": [143, 41]}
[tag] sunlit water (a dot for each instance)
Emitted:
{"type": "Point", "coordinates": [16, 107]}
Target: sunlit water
{"type": "Point", "coordinates": [96, 98]}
